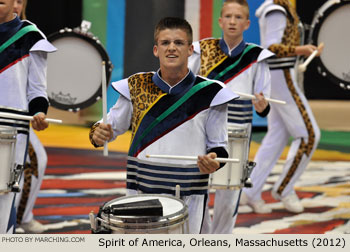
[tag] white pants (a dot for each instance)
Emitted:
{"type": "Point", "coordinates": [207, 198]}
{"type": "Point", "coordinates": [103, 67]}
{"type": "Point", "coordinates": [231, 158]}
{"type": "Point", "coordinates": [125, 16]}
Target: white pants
{"type": "Point", "coordinates": [195, 204]}
{"type": "Point", "coordinates": [225, 213]}
{"type": "Point", "coordinates": [7, 225]}
{"type": "Point", "coordinates": [295, 119]}
{"type": "Point", "coordinates": [35, 180]}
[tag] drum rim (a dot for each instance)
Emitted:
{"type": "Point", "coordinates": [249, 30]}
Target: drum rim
{"type": "Point", "coordinates": [145, 222]}
{"type": "Point", "coordinates": [142, 227]}
{"type": "Point", "coordinates": [317, 22]}
{"type": "Point", "coordinates": [104, 55]}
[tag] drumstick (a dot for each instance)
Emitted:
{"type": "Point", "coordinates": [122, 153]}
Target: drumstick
{"type": "Point", "coordinates": [254, 97]}
{"type": "Point", "coordinates": [28, 118]}
{"type": "Point", "coordinates": [104, 104]}
{"type": "Point", "coordinates": [221, 160]}
{"type": "Point", "coordinates": [302, 67]}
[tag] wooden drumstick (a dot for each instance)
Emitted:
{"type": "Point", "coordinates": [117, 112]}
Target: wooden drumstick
{"type": "Point", "coordinates": [221, 160]}
{"type": "Point", "coordinates": [302, 67]}
{"type": "Point", "coordinates": [254, 97]}
{"type": "Point", "coordinates": [28, 118]}
{"type": "Point", "coordinates": [104, 104]}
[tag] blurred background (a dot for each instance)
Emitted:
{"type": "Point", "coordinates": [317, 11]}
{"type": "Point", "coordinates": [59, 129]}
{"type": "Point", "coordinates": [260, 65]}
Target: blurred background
{"type": "Point", "coordinates": [125, 30]}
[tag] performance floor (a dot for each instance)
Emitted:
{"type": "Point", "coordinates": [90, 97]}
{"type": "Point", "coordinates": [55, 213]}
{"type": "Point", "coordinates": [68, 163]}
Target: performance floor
{"type": "Point", "coordinates": [79, 179]}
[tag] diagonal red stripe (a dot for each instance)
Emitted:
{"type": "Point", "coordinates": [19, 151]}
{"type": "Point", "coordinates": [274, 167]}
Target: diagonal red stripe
{"type": "Point", "coordinates": [13, 63]}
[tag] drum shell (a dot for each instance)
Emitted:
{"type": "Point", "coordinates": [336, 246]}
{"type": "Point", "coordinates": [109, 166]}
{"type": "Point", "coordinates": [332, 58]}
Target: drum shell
{"type": "Point", "coordinates": [7, 148]}
{"type": "Point", "coordinates": [175, 223]}
{"type": "Point", "coordinates": [231, 176]}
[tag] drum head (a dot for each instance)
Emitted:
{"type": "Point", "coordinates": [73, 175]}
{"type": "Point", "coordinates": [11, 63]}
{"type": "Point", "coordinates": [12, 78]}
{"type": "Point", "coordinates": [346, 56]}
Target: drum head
{"type": "Point", "coordinates": [74, 72]}
{"type": "Point", "coordinates": [331, 26]}
{"type": "Point", "coordinates": [174, 212]}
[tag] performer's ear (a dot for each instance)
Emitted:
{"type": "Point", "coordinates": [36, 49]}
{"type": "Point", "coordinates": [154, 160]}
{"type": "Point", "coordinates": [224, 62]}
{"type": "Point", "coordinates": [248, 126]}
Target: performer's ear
{"type": "Point", "coordinates": [155, 50]}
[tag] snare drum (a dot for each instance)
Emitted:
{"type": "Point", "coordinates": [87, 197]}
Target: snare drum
{"type": "Point", "coordinates": [234, 175]}
{"type": "Point", "coordinates": [173, 221]}
{"type": "Point", "coordinates": [7, 155]}
{"type": "Point", "coordinates": [331, 25]}
{"type": "Point", "coordinates": [74, 72]}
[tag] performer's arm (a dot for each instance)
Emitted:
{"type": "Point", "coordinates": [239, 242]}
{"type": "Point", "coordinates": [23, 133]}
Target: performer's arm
{"type": "Point", "coordinates": [118, 122]}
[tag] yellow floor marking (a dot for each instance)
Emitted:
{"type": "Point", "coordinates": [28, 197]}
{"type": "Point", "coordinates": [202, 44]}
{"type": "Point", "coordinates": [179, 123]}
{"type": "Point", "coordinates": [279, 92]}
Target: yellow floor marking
{"type": "Point", "coordinates": [66, 136]}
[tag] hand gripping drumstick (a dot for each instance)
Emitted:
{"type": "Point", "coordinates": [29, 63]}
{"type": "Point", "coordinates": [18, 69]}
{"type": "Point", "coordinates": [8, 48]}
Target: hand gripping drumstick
{"type": "Point", "coordinates": [28, 118]}
{"type": "Point", "coordinates": [302, 67]}
{"type": "Point", "coordinates": [221, 160]}
{"type": "Point", "coordinates": [104, 104]}
{"type": "Point", "coordinates": [253, 97]}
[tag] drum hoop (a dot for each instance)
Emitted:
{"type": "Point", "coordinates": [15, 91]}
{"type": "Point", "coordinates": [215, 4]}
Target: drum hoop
{"type": "Point", "coordinates": [327, 8]}
{"type": "Point", "coordinates": [156, 221]}
{"type": "Point", "coordinates": [109, 223]}
{"type": "Point", "coordinates": [99, 47]}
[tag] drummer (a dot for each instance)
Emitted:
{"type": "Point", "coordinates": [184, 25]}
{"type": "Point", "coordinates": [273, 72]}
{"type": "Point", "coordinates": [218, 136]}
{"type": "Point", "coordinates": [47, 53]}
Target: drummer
{"type": "Point", "coordinates": [279, 33]}
{"type": "Point", "coordinates": [250, 74]}
{"type": "Point", "coordinates": [20, 91]}
{"type": "Point", "coordinates": [171, 112]}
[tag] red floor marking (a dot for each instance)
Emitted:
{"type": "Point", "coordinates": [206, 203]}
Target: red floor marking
{"type": "Point", "coordinates": [82, 210]}
{"type": "Point", "coordinates": [72, 200]}
{"type": "Point", "coordinates": [80, 184]}
{"type": "Point", "coordinates": [314, 228]}
{"type": "Point", "coordinates": [79, 170]}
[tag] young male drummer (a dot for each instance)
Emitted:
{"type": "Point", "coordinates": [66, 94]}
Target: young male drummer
{"type": "Point", "coordinates": [22, 89]}
{"type": "Point", "coordinates": [171, 112]}
{"type": "Point", "coordinates": [242, 67]}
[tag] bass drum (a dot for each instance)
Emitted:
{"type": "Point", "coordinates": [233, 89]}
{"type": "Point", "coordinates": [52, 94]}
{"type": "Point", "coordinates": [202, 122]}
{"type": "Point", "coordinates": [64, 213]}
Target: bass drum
{"type": "Point", "coordinates": [330, 25]}
{"type": "Point", "coordinates": [74, 72]}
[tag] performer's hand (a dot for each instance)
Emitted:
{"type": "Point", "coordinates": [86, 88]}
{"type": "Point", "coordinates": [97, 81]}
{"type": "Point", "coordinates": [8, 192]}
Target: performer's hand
{"type": "Point", "coordinates": [38, 122]}
{"type": "Point", "coordinates": [207, 163]}
{"type": "Point", "coordinates": [102, 134]}
{"type": "Point", "coordinates": [260, 103]}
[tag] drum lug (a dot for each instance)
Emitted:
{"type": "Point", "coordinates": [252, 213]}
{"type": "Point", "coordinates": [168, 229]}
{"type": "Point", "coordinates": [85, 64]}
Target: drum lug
{"type": "Point", "coordinates": [249, 168]}
{"type": "Point", "coordinates": [16, 176]}
{"type": "Point", "coordinates": [85, 26]}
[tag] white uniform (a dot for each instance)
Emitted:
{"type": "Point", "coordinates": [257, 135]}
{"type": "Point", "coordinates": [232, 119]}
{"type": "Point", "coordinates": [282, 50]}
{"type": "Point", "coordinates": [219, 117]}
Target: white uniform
{"type": "Point", "coordinates": [186, 119]}
{"type": "Point", "coordinates": [22, 80]}
{"type": "Point", "coordinates": [295, 119]}
{"type": "Point", "coordinates": [242, 69]}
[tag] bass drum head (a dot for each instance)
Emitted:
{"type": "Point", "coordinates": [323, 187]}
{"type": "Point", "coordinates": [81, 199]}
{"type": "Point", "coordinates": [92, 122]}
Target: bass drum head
{"type": "Point", "coordinates": [74, 72]}
{"type": "Point", "coordinates": [331, 26]}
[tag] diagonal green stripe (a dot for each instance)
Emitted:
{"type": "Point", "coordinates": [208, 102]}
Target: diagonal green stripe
{"type": "Point", "coordinates": [171, 109]}
{"type": "Point", "coordinates": [222, 73]}
{"type": "Point", "coordinates": [17, 36]}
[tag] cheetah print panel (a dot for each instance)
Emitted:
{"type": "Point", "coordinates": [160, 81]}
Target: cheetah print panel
{"type": "Point", "coordinates": [304, 148]}
{"type": "Point", "coordinates": [291, 36]}
{"type": "Point", "coordinates": [143, 93]}
{"type": "Point", "coordinates": [211, 54]}
{"type": "Point", "coordinates": [29, 171]}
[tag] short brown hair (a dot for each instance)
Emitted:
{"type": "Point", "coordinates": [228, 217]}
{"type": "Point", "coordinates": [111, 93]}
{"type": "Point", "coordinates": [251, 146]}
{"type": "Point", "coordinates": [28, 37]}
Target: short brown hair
{"type": "Point", "coordinates": [244, 3]}
{"type": "Point", "coordinates": [173, 23]}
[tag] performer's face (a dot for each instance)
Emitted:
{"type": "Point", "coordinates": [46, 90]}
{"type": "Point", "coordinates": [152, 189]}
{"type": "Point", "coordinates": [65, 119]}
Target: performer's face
{"type": "Point", "coordinates": [173, 49]}
{"type": "Point", "coordinates": [234, 20]}
{"type": "Point", "coordinates": [6, 10]}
